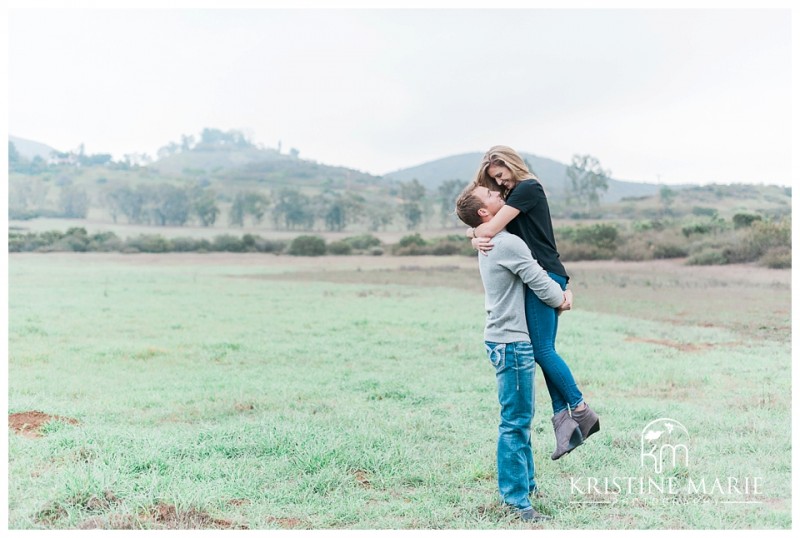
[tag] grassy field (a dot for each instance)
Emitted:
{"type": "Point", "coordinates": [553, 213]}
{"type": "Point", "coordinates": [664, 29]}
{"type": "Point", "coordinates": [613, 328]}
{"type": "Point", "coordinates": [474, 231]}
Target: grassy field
{"type": "Point", "coordinates": [263, 392]}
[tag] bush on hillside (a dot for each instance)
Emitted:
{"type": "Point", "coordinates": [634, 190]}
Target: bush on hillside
{"type": "Point", "coordinates": [744, 220]}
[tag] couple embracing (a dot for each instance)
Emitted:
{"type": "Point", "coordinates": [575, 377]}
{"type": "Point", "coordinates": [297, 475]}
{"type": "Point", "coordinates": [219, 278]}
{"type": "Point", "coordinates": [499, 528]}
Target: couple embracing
{"type": "Point", "coordinates": [526, 291]}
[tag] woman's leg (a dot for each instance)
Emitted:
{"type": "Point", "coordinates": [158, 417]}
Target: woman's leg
{"type": "Point", "coordinates": [543, 327]}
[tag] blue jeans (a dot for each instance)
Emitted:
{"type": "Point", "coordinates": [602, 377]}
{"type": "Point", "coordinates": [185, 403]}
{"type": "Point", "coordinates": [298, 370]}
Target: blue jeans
{"type": "Point", "coordinates": [514, 368]}
{"type": "Point", "coordinates": [543, 326]}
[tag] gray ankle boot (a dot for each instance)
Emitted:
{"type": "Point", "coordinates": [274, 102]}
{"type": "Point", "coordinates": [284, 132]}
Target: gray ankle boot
{"type": "Point", "coordinates": [568, 434]}
{"type": "Point", "coordinates": [587, 420]}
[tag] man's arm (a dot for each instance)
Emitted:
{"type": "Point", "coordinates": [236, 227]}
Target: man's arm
{"type": "Point", "coordinates": [518, 259]}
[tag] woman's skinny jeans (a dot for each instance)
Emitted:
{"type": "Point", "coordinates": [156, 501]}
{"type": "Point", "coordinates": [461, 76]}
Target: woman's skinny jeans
{"type": "Point", "coordinates": [543, 327]}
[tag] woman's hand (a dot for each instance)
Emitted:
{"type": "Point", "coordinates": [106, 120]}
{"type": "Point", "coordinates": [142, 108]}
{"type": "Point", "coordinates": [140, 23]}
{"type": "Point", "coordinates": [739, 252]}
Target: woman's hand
{"type": "Point", "coordinates": [482, 244]}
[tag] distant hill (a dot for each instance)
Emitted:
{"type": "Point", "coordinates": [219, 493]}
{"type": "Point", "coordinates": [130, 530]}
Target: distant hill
{"type": "Point", "coordinates": [552, 174]}
{"type": "Point", "coordinates": [30, 149]}
{"type": "Point", "coordinates": [253, 167]}
{"type": "Point", "coordinates": [213, 161]}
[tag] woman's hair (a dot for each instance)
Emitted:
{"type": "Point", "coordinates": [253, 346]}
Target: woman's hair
{"type": "Point", "coordinates": [502, 156]}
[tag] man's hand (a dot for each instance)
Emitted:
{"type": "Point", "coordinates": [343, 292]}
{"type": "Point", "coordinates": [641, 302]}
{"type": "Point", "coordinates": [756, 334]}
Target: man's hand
{"type": "Point", "coordinates": [567, 304]}
{"type": "Point", "coordinates": [483, 244]}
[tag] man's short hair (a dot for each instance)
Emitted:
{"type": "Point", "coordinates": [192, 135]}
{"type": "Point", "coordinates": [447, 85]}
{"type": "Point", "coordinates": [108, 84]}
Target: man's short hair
{"type": "Point", "coordinates": [467, 206]}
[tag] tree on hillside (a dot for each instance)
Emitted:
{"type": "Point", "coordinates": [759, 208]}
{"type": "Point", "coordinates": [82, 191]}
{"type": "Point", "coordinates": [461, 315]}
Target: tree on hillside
{"type": "Point", "coordinates": [211, 139]}
{"type": "Point", "coordinates": [447, 194]}
{"type": "Point", "coordinates": [337, 210]}
{"type": "Point", "coordinates": [412, 194]}
{"type": "Point", "coordinates": [134, 160]}
{"type": "Point", "coordinates": [587, 181]}
{"type": "Point", "coordinates": [170, 149]}
{"type": "Point", "coordinates": [248, 203]}
{"type": "Point", "coordinates": [667, 197]}
{"type": "Point", "coordinates": [73, 202]}
{"type": "Point", "coordinates": [13, 155]}
{"type": "Point", "coordinates": [292, 210]}
{"type": "Point", "coordinates": [122, 200]}
{"type": "Point", "coordinates": [27, 193]}
{"type": "Point", "coordinates": [187, 142]}
{"type": "Point", "coordinates": [172, 205]}
{"type": "Point", "coordinates": [379, 215]}
{"type": "Point", "coordinates": [204, 206]}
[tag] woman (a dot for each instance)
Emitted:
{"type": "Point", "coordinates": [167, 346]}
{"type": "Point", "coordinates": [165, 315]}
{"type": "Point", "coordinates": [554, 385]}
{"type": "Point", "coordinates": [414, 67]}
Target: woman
{"type": "Point", "coordinates": [527, 215]}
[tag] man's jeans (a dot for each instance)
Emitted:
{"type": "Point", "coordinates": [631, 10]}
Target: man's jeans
{"type": "Point", "coordinates": [543, 328]}
{"type": "Point", "coordinates": [514, 368]}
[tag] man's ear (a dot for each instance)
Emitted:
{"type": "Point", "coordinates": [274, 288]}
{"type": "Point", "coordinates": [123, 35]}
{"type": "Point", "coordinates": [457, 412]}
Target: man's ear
{"type": "Point", "coordinates": [483, 212]}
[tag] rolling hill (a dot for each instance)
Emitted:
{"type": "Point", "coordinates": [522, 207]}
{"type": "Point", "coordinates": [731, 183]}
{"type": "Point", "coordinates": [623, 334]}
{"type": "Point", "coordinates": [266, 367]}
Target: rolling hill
{"type": "Point", "coordinates": [30, 149]}
{"type": "Point", "coordinates": [552, 174]}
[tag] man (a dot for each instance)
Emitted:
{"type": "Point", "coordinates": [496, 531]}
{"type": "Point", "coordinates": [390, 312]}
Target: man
{"type": "Point", "coordinates": [505, 270]}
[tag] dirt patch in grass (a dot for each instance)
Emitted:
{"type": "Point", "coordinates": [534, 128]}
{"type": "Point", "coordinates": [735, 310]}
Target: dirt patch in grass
{"type": "Point", "coordinates": [680, 346]}
{"type": "Point", "coordinates": [162, 516]}
{"type": "Point", "coordinates": [30, 423]}
{"type": "Point", "coordinates": [168, 517]}
{"type": "Point", "coordinates": [362, 477]}
{"type": "Point", "coordinates": [286, 522]}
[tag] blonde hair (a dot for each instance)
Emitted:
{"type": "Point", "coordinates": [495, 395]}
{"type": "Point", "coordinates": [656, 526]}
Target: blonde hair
{"type": "Point", "coordinates": [506, 157]}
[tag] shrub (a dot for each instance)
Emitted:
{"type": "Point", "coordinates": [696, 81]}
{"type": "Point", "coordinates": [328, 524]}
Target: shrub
{"type": "Point", "coordinates": [363, 242]}
{"type": "Point", "coordinates": [777, 258]}
{"type": "Point", "coordinates": [228, 243]}
{"type": "Point", "coordinates": [571, 252]}
{"type": "Point", "coordinates": [698, 228]}
{"type": "Point", "coordinates": [75, 240]}
{"type": "Point", "coordinates": [595, 242]}
{"type": "Point", "coordinates": [104, 242]}
{"type": "Point", "coordinates": [647, 225]}
{"type": "Point", "coordinates": [446, 247]}
{"type": "Point", "coordinates": [637, 248]}
{"type": "Point", "coordinates": [409, 240]}
{"type": "Point", "coordinates": [744, 220]}
{"type": "Point", "coordinates": [269, 245]}
{"type": "Point", "coordinates": [340, 248]}
{"type": "Point", "coordinates": [704, 212]}
{"type": "Point", "coordinates": [708, 257]}
{"type": "Point", "coordinates": [669, 250]}
{"type": "Point", "coordinates": [760, 237]}
{"type": "Point", "coordinates": [249, 242]}
{"type": "Point", "coordinates": [148, 243]}
{"type": "Point", "coordinates": [185, 244]}
{"type": "Point", "coordinates": [307, 245]}
{"type": "Point", "coordinates": [603, 236]}
{"type": "Point", "coordinates": [410, 250]}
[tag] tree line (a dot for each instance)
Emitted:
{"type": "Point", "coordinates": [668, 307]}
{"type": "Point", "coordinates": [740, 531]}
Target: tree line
{"type": "Point", "coordinates": [287, 208]}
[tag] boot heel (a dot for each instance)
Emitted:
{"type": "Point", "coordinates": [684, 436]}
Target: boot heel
{"type": "Point", "coordinates": [588, 421]}
{"type": "Point", "coordinates": [568, 434]}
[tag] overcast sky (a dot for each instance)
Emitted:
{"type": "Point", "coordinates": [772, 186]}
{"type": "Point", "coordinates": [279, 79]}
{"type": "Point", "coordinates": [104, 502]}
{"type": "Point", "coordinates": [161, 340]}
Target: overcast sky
{"type": "Point", "coordinates": [669, 96]}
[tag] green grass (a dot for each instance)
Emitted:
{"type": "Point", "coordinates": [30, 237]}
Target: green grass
{"type": "Point", "coordinates": [276, 395]}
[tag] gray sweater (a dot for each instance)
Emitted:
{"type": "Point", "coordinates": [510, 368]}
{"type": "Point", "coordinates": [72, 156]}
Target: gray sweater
{"type": "Point", "coordinates": [503, 271]}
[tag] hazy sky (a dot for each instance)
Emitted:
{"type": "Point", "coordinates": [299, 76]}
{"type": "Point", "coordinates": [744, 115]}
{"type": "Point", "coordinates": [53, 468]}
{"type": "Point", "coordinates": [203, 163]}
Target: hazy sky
{"type": "Point", "coordinates": [657, 95]}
